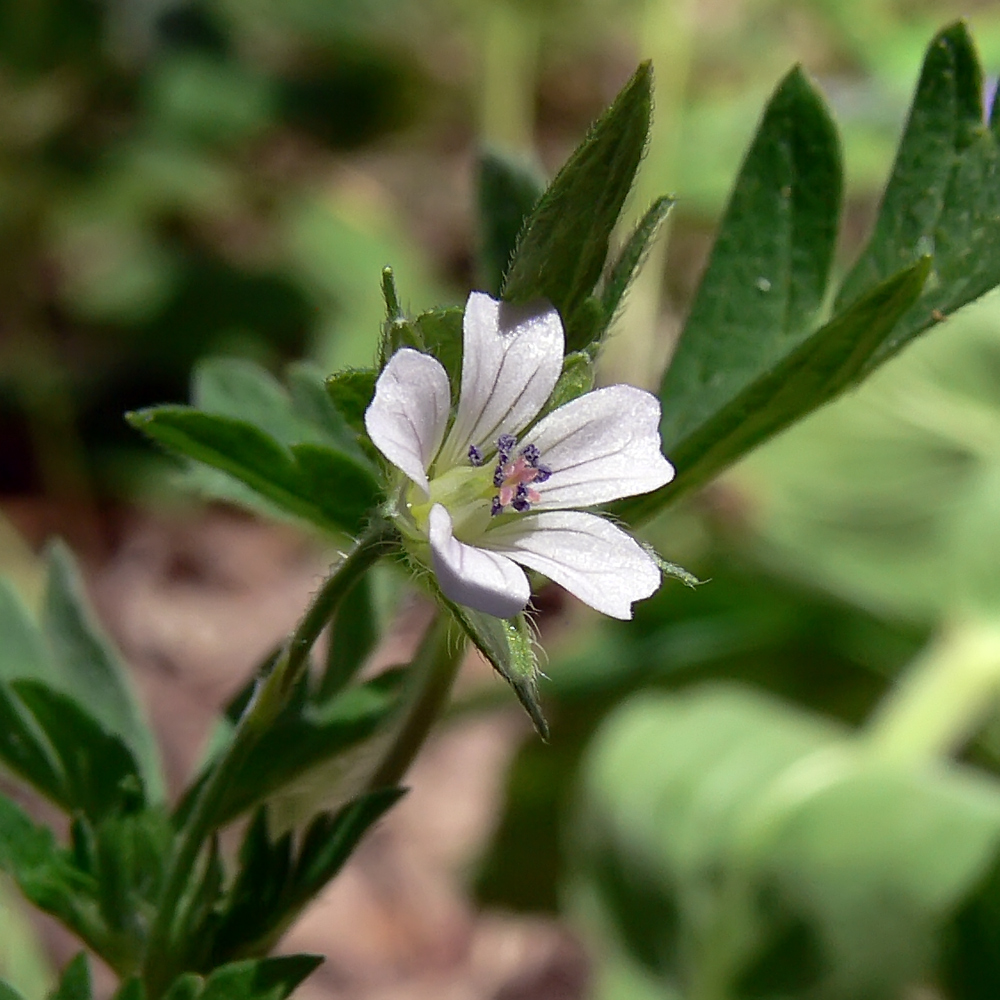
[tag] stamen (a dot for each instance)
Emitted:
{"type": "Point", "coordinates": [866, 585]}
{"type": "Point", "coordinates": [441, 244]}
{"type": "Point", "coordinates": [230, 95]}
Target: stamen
{"type": "Point", "coordinates": [497, 507]}
{"type": "Point", "coordinates": [499, 475]}
{"type": "Point", "coordinates": [521, 506]}
{"type": "Point", "coordinates": [475, 456]}
{"type": "Point", "coordinates": [505, 445]}
{"type": "Point", "coordinates": [531, 455]}
{"type": "Point", "coordinates": [542, 472]}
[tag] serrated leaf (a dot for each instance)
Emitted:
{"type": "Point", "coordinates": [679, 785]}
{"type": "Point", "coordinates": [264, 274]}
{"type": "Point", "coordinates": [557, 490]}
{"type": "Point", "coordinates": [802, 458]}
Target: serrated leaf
{"type": "Point", "coordinates": [308, 488]}
{"type": "Point", "coordinates": [75, 981]}
{"type": "Point", "coordinates": [509, 646]}
{"type": "Point", "coordinates": [100, 775]}
{"type": "Point", "coordinates": [563, 247]}
{"type": "Point", "coordinates": [91, 671]}
{"type": "Point", "coordinates": [831, 360]}
{"type": "Point", "coordinates": [943, 197]}
{"type": "Point", "coordinates": [508, 189]}
{"type": "Point", "coordinates": [351, 393]}
{"type": "Point", "coordinates": [632, 255]}
{"type": "Point", "coordinates": [768, 269]}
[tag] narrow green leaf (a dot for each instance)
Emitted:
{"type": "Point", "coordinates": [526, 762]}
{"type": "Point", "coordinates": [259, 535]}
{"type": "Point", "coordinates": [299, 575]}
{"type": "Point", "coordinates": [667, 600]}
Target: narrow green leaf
{"type": "Point", "coordinates": [767, 272]}
{"type": "Point", "coordinates": [343, 489]}
{"type": "Point", "coordinates": [632, 255]}
{"type": "Point", "coordinates": [563, 247]}
{"type": "Point", "coordinates": [509, 646]}
{"type": "Point", "coordinates": [91, 671]}
{"type": "Point", "coordinates": [351, 392]}
{"type": "Point", "coordinates": [943, 197]}
{"type": "Point", "coordinates": [22, 652]}
{"type": "Point", "coordinates": [259, 979]}
{"type": "Point", "coordinates": [75, 981]}
{"type": "Point", "coordinates": [352, 636]}
{"type": "Point", "coordinates": [508, 189]}
{"type": "Point", "coordinates": [26, 751]}
{"type": "Point", "coordinates": [835, 357]}
{"type": "Point", "coordinates": [100, 774]}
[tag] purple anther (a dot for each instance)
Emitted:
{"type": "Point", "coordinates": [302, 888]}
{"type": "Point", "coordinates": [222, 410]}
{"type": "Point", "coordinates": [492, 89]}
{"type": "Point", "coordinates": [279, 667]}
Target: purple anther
{"type": "Point", "coordinates": [497, 507]}
{"type": "Point", "coordinates": [498, 476]}
{"type": "Point", "coordinates": [531, 455]}
{"type": "Point", "coordinates": [475, 456]}
{"type": "Point", "coordinates": [522, 492]}
{"type": "Point", "coordinates": [542, 472]}
{"type": "Point", "coordinates": [505, 445]}
{"type": "Point", "coordinates": [520, 505]}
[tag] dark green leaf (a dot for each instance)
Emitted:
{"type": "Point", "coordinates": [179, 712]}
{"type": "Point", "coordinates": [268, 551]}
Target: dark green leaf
{"type": "Point", "coordinates": [767, 273]}
{"type": "Point", "coordinates": [440, 334]}
{"type": "Point", "coordinates": [351, 392]}
{"type": "Point", "coordinates": [7, 992]}
{"type": "Point", "coordinates": [509, 646]}
{"type": "Point", "coordinates": [563, 247]}
{"type": "Point", "coordinates": [75, 981]}
{"type": "Point", "coordinates": [943, 197]}
{"type": "Point", "coordinates": [131, 989]}
{"type": "Point", "coordinates": [309, 488]}
{"type": "Point", "coordinates": [25, 750]}
{"type": "Point", "coordinates": [186, 987]}
{"type": "Point", "coordinates": [508, 189]}
{"type": "Point", "coordinates": [91, 671]}
{"type": "Point", "coordinates": [831, 360]}
{"type": "Point", "coordinates": [352, 635]}
{"type": "Point", "coordinates": [100, 773]}
{"type": "Point", "coordinates": [259, 979]}
{"type": "Point", "coordinates": [306, 736]}
{"type": "Point", "coordinates": [632, 255]}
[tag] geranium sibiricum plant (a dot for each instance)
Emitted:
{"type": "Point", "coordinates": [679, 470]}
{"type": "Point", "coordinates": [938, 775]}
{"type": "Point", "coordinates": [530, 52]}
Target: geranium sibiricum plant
{"type": "Point", "coordinates": [476, 495]}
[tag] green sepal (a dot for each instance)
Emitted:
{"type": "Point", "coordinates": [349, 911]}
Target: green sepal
{"type": "Point", "coordinates": [509, 645]}
{"type": "Point", "coordinates": [564, 244]}
{"type": "Point", "coordinates": [508, 188]}
{"type": "Point", "coordinates": [576, 378]}
{"type": "Point", "coordinates": [351, 393]}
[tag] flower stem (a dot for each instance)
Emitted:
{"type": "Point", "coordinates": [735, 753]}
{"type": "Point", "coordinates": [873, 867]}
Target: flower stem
{"type": "Point", "coordinates": [269, 699]}
{"type": "Point", "coordinates": [434, 668]}
{"type": "Point", "coordinates": [941, 701]}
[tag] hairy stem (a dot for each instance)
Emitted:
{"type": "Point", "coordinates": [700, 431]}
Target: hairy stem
{"type": "Point", "coordinates": [268, 700]}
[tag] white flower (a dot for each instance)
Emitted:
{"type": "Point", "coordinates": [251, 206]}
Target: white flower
{"type": "Point", "coordinates": [480, 500]}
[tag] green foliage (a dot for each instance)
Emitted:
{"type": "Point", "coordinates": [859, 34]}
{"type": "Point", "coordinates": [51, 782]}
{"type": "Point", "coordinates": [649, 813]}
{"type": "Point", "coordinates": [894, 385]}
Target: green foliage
{"type": "Point", "coordinates": [563, 247]}
{"type": "Point", "coordinates": [576, 378]}
{"type": "Point", "coordinates": [351, 392]}
{"type": "Point", "coordinates": [353, 634]}
{"type": "Point", "coordinates": [508, 189]}
{"type": "Point", "coordinates": [7, 992]}
{"type": "Point", "coordinates": [296, 451]}
{"type": "Point", "coordinates": [75, 981]}
{"type": "Point", "coordinates": [942, 196]}
{"type": "Point", "coordinates": [813, 869]}
{"type": "Point", "coordinates": [253, 979]}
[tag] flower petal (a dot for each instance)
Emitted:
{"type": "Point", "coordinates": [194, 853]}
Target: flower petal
{"type": "Point", "coordinates": [408, 414]}
{"type": "Point", "coordinates": [589, 556]}
{"type": "Point", "coordinates": [472, 576]}
{"type": "Point", "coordinates": [600, 447]}
{"type": "Point", "coordinates": [511, 359]}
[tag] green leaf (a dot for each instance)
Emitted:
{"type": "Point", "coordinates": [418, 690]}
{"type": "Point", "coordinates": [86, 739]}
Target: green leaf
{"type": "Point", "coordinates": [24, 749]}
{"type": "Point", "coordinates": [91, 671]}
{"type": "Point", "coordinates": [943, 197]}
{"type": "Point", "coordinates": [307, 736]}
{"type": "Point", "coordinates": [351, 393]}
{"type": "Point", "coordinates": [75, 981]}
{"type": "Point", "coordinates": [440, 333]}
{"type": "Point", "coordinates": [508, 189]}
{"type": "Point", "coordinates": [22, 652]}
{"type": "Point", "coordinates": [186, 987]}
{"type": "Point", "coordinates": [632, 255]}
{"type": "Point", "coordinates": [352, 636]}
{"type": "Point", "coordinates": [768, 269]}
{"type": "Point", "coordinates": [99, 773]}
{"type": "Point", "coordinates": [131, 989]}
{"type": "Point", "coordinates": [563, 247]}
{"type": "Point", "coordinates": [259, 979]}
{"type": "Point", "coordinates": [307, 487]}
{"type": "Point", "coordinates": [44, 873]}
{"type": "Point", "coordinates": [272, 888]}
{"type": "Point", "coordinates": [576, 378]}
{"type": "Point", "coordinates": [835, 357]}
{"type": "Point", "coordinates": [7, 992]}
{"type": "Point", "coordinates": [509, 646]}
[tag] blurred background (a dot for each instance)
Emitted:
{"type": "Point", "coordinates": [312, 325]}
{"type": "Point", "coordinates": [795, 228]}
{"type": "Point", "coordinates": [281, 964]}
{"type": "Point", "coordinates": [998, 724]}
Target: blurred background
{"type": "Point", "coordinates": [180, 180]}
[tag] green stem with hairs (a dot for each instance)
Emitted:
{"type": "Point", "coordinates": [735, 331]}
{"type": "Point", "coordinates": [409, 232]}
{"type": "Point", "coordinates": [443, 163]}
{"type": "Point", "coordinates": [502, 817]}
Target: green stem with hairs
{"type": "Point", "coordinates": [268, 701]}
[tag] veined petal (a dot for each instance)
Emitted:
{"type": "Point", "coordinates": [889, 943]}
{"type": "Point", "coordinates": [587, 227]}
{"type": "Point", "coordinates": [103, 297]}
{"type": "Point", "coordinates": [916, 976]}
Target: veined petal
{"type": "Point", "coordinates": [601, 446]}
{"type": "Point", "coordinates": [599, 563]}
{"type": "Point", "coordinates": [407, 417]}
{"type": "Point", "coordinates": [486, 581]}
{"type": "Point", "coordinates": [511, 359]}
